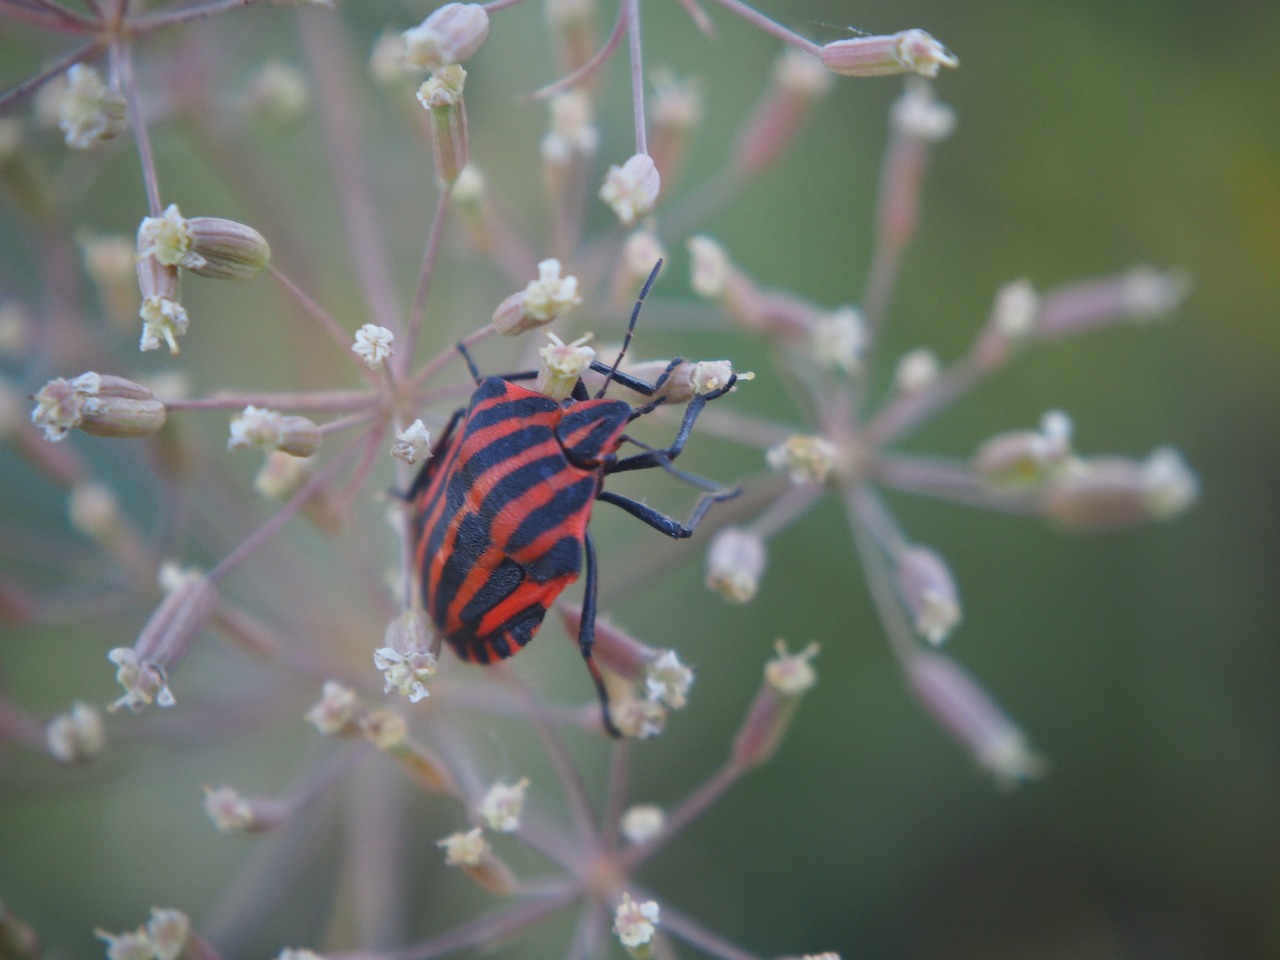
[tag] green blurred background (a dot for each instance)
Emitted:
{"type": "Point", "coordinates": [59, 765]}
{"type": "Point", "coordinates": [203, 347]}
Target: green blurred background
{"type": "Point", "coordinates": [1092, 136]}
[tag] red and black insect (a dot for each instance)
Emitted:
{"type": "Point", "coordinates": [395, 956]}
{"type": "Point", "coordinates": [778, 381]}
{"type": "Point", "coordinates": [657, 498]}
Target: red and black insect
{"type": "Point", "coordinates": [500, 511]}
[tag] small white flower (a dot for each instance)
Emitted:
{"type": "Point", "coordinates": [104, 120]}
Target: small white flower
{"type": "Point", "coordinates": [635, 923]}
{"type": "Point", "coordinates": [412, 444]}
{"type": "Point", "coordinates": [1169, 485]}
{"type": "Point", "coordinates": [550, 295]}
{"type": "Point", "coordinates": [916, 371]}
{"type": "Point", "coordinates": [135, 945]}
{"type": "Point", "coordinates": [806, 459]}
{"type": "Point", "coordinates": [90, 110]}
{"type": "Point", "coordinates": [631, 190]}
{"type": "Point", "coordinates": [229, 811]}
{"type": "Point", "coordinates": [918, 115]}
{"type": "Point", "coordinates": [373, 344]}
{"type": "Point", "coordinates": [255, 427]}
{"type": "Point", "coordinates": [840, 339]}
{"type": "Point", "coordinates": [1016, 307]}
{"type": "Point", "coordinates": [164, 319]}
{"type": "Point", "coordinates": [710, 267]}
{"type": "Point", "coordinates": [167, 238]}
{"type": "Point", "coordinates": [464, 849]}
{"type": "Point", "coordinates": [562, 365]}
{"type": "Point", "coordinates": [405, 673]}
{"type": "Point", "coordinates": [668, 680]}
{"type": "Point", "coordinates": [642, 822]}
{"type": "Point", "coordinates": [503, 805]}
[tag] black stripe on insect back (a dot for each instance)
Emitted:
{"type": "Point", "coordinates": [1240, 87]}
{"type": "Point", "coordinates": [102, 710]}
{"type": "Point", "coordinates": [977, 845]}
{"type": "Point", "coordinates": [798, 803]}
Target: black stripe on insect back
{"type": "Point", "coordinates": [500, 450]}
{"type": "Point", "coordinates": [471, 542]}
{"type": "Point", "coordinates": [495, 388]}
{"type": "Point", "coordinates": [501, 583]}
{"type": "Point", "coordinates": [566, 502]}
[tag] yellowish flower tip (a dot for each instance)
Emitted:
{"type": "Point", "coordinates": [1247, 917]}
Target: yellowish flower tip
{"type": "Point", "coordinates": [212, 247]}
{"type": "Point", "coordinates": [464, 849]}
{"type": "Point", "coordinates": [668, 680]}
{"type": "Point", "coordinates": [805, 458]}
{"type": "Point", "coordinates": [635, 923]}
{"type": "Point", "coordinates": [916, 371]}
{"type": "Point", "coordinates": [840, 340]}
{"type": "Point", "coordinates": [337, 712]}
{"type": "Point", "coordinates": [1026, 459]}
{"type": "Point", "coordinates": [642, 822]}
{"type": "Point", "coordinates": [385, 730]}
{"type": "Point", "coordinates": [503, 805]}
{"type": "Point", "coordinates": [77, 736]}
{"type": "Point", "coordinates": [918, 115]}
{"type": "Point", "coordinates": [791, 674]}
{"type": "Point", "coordinates": [638, 719]}
{"type": "Point", "coordinates": [929, 593]}
{"type": "Point", "coordinates": [710, 267]}
{"type": "Point", "coordinates": [268, 430]}
{"type": "Point", "coordinates": [279, 93]}
{"type": "Point", "coordinates": [412, 444]}
{"type": "Point", "coordinates": [449, 35]}
{"type": "Point", "coordinates": [910, 51]}
{"type": "Point", "coordinates": [631, 190]}
{"type": "Point", "coordinates": [802, 74]}
{"type": "Point", "coordinates": [443, 89]}
{"type": "Point", "coordinates": [676, 102]}
{"type": "Point", "coordinates": [735, 562]}
{"type": "Point", "coordinates": [166, 237]}
{"type": "Point", "coordinates": [90, 111]}
{"type": "Point", "coordinates": [144, 683]}
{"type": "Point", "coordinates": [1016, 309]}
{"type": "Point", "coordinates": [373, 345]}
{"type": "Point", "coordinates": [573, 130]}
{"type": "Point", "coordinates": [229, 811]}
{"type": "Point", "coordinates": [551, 294]}
{"type": "Point", "coordinates": [408, 660]}
{"type": "Point", "coordinates": [562, 365]}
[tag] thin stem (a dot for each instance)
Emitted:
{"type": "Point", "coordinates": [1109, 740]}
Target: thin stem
{"type": "Point", "coordinates": [591, 66]}
{"type": "Point", "coordinates": [637, 72]}
{"type": "Point", "coordinates": [493, 5]}
{"type": "Point", "coordinates": [124, 64]}
{"type": "Point", "coordinates": [331, 72]}
{"type": "Point", "coordinates": [949, 480]}
{"type": "Point", "coordinates": [156, 21]}
{"type": "Point", "coordinates": [758, 19]}
{"type": "Point", "coordinates": [335, 400]}
{"type": "Point", "coordinates": [369, 457]}
{"type": "Point", "coordinates": [499, 925]}
{"type": "Point", "coordinates": [884, 593]}
{"type": "Point", "coordinates": [331, 326]}
{"type": "Point", "coordinates": [346, 423]}
{"type": "Point", "coordinates": [63, 13]}
{"type": "Point", "coordinates": [51, 17]}
{"type": "Point", "coordinates": [907, 411]}
{"type": "Point", "coordinates": [284, 514]}
{"type": "Point", "coordinates": [879, 522]}
{"type": "Point", "coordinates": [619, 772]}
{"type": "Point", "coordinates": [786, 509]}
{"type": "Point", "coordinates": [80, 54]}
{"type": "Point", "coordinates": [688, 810]}
{"type": "Point", "coordinates": [685, 928]}
{"type": "Point", "coordinates": [417, 311]}
{"type": "Point", "coordinates": [699, 17]}
{"type": "Point", "coordinates": [444, 357]}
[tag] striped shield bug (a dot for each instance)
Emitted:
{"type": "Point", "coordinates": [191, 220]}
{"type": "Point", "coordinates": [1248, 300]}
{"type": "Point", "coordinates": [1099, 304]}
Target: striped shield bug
{"type": "Point", "coordinates": [499, 512]}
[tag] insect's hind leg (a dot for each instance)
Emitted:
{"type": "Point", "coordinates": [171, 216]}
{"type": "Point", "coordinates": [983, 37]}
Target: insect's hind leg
{"type": "Point", "coordinates": [660, 521]}
{"type": "Point", "coordinates": [587, 637]}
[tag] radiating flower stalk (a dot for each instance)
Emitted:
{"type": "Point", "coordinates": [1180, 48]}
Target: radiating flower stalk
{"type": "Point", "coordinates": [359, 657]}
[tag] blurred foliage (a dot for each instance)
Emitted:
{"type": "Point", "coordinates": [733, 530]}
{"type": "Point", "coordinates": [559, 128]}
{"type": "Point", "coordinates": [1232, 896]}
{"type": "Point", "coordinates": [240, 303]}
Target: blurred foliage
{"type": "Point", "coordinates": [1092, 135]}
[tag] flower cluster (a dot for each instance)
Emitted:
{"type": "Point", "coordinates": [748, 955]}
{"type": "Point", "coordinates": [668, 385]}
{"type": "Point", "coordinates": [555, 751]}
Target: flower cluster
{"type": "Point", "coordinates": [479, 547]}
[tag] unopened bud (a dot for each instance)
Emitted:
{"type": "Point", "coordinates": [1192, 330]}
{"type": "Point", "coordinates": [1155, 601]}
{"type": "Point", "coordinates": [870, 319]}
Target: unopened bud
{"type": "Point", "coordinates": [164, 319]}
{"type": "Point", "coordinates": [99, 404]}
{"type": "Point", "coordinates": [631, 190]}
{"type": "Point", "coordinates": [1109, 492]}
{"type": "Point", "coordinates": [450, 34]}
{"type": "Point", "coordinates": [562, 365]}
{"type": "Point", "coordinates": [442, 96]}
{"type": "Point", "coordinates": [269, 430]}
{"type": "Point", "coordinates": [918, 116]}
{"type": "Point", "coordinates": [735, 562]}
{"type": "Point", "coordinates": [840, 339]}
{"type": "Point", "coordinates": [93, 510]}
{"type": "Point", "coordinates": [1026, 459]}
{"type": "Point", "coordinates": [929, 593]}
{"type": "Point", "coordinates": [968, 713]}
{"type": "Point", "coordinates": [233, 813]}
{"type": "Point", "coordinates": [1141, 294]}
{"type": "Point", "coordinates": [77, 736]}
{"type": "Point", "coordinates": [916, 370]}
{"type": "Point", "coordinates": [911, 51]}
{"type": "Point", "coordinates": [90, 110]}
{"type": "Point", "coordinates": [642, 822]}
{"type": "Point", "coordinates": [539, 303]}
{"type": "Point", "coordinates": [786, 679]}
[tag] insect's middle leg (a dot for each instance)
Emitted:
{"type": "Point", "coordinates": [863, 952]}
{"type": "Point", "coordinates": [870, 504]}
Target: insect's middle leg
{"type": "Point", "coordinates": [660, 521]}
{"type": "Point", "coordinates": [587, 636]}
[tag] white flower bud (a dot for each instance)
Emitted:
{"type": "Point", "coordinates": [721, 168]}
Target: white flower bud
{"type": "Point", "coordinates": [635, 923]}
{"type": "Point", "coordinates": [450, 34]}
{"type": "Point", "coordinates": [373, 345]}
{"type": "Point", "coordinates": [735, 562]}
{"type": "Point", "coordinates": [90, 110]}
{"type": "Point", "coordinates": [631, 190]}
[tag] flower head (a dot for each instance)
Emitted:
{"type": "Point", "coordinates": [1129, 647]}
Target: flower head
{"type": "Point", "coordinates": [373, 345]}
{"type": "Point", "coordinates": [635, 923]}
{"type": "Point", "coordinates": [503, 805]}
{"type": "Point", "coordinates": [631, 190]}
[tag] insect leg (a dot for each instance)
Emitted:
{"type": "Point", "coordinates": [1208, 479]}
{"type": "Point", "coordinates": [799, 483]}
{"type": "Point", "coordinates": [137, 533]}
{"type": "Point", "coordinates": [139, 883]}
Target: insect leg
{"type": "Point", "coordinates": [587, 637]}
{"type": "Point", "coordinates": [660, 521]}
{"type": "Point", "coordinates": [655, 458]}
{"type": "Point", "coordinates": [612, 372]}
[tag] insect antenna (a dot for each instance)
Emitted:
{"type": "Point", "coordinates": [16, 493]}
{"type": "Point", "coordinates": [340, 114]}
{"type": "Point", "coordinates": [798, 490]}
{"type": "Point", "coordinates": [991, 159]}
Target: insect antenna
{"type": "Point", "coordinates": [631, 327]}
